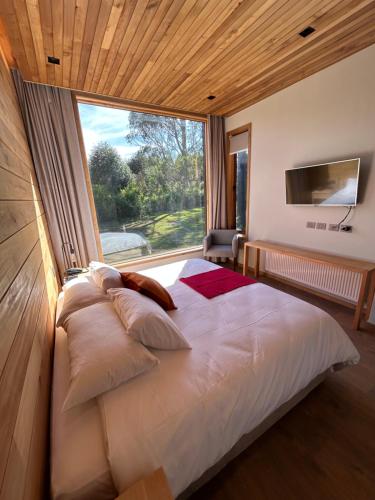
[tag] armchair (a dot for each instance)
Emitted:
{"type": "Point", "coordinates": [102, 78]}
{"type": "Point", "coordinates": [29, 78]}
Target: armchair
{"type": "Point", "coordinates": [222, 243]}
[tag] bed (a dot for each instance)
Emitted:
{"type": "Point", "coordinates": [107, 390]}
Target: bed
{"type": "Point", "coordinates": [255, 353]}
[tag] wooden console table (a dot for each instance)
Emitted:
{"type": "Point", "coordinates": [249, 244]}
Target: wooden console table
{"type": "Point", "coordinates": [366, 269]}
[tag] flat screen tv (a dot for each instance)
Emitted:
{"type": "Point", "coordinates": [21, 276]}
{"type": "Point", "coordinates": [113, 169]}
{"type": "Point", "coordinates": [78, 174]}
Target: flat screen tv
{"type": "Point", "coordinates": [327, 184]}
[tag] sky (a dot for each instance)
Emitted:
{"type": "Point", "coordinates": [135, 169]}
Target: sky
{"type": "Point", "coordinates": [100, 123]}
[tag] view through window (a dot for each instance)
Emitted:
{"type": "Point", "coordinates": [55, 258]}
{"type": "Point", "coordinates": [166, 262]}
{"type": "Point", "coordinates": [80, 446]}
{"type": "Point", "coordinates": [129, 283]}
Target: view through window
{"type": "Point", "coordinates": [241, 188]}
{"type": "Point", "coordinates": [147, 176]}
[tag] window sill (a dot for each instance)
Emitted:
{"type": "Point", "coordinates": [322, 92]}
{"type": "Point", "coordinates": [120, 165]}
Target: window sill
{"type": "Point", "coordinates": [156, 258]}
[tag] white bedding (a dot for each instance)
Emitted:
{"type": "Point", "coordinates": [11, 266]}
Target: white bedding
{"type": "Point", "coordinates": [252, 350]}
{"type": "Point", "coordinates": [79, 468]}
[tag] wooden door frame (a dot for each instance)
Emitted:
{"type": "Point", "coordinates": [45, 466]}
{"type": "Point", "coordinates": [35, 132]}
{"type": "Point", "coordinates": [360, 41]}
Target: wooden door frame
{"type": "Point", "coordinates": [231, 178]}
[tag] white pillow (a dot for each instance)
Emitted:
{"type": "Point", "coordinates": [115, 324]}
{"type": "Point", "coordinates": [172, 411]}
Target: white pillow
{"type": "Point", "coordinates": [78, 293]}
{"type": "Point", "coordinates": [146, 321]}
{"type": "Point", "coordinates": [105, 276]}
{"type": "Point", "coordinates": [101, 355]}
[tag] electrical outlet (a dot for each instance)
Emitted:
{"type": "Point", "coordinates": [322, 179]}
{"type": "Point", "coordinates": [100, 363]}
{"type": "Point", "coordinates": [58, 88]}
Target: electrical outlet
{"type": "Point", "coordinates": [310, 224]}
{"type": "Point", "coordinates": [321, 225]}
{"type": "Point", "coordinates": [333, 227]}
{"type": "Point", "coordinates": [344, 228]}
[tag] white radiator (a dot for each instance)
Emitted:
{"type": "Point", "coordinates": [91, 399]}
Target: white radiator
{"type": "Point", "coordinates": [342, 283]}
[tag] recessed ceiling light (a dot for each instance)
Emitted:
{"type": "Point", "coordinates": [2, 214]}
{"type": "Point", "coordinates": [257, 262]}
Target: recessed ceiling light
{"type": "Point", "coordinates": [53, 60]}
{"type": "Point", "coordinates": [307, 31]}
{"type": "Point", "coordinates": [210, 97]}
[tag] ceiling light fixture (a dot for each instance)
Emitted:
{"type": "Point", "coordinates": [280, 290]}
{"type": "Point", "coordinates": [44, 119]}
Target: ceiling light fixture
{"type": "Point", "coordinates": [53, 60]}
{"type": "Point", "coordinates": [307, 31]}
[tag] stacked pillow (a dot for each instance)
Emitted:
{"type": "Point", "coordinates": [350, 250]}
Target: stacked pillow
{"type": "Point", "coordinates": [105, 276]}
{"type": "Point", "coordinates": [79, 293]}
{"type": "Point", "coordinates": [107, 332]}
{"type": "Point", "coordinates": [101, 355]}
{"type": "Point", "coordinates": [146, 321]}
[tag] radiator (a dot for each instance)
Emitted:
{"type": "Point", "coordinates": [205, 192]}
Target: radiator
{"type": "Point", "coordinates": [339, 282]}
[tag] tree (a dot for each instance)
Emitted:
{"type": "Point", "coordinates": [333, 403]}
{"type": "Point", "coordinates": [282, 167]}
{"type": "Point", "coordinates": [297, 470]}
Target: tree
{"type": "Point", "coordinates": [107, 168]}
{"type": "Point", "coordinates": [170, 137]}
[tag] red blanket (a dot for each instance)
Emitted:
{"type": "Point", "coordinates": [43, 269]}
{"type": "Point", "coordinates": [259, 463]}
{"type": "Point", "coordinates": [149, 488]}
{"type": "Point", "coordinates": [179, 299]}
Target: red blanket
{"type": "Point", "coordinates": [217, 282]}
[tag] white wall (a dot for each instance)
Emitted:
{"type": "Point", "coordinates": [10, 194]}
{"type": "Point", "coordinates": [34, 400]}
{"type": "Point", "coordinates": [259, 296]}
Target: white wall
{"type": "Point", "coordinates": [328, 116]}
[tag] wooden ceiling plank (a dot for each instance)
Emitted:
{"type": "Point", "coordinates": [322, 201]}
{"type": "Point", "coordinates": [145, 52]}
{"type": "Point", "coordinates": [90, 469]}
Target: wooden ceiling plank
{"type": "Point", "coordinates": [78, 35]}
{"type": "Point", "coordinates": [285, 50]}
{"type": "Point", "coordinates": [88, 35]}
{"type": "Point", "coordinates": [166, 74]}
{"type": "Point", "coordinates": [352, 48]}
{"type": "Point", "coordinates": [131, 24]}
{"type": "Point", "coordinates": [69, 18]}
{"type": "Point", "coordinates": [142, 16]}
{"type": "Point", "coordinates": [162, 51]}
{"type": "Point", "coordinates": [47, 30]}
{"type": "Point", "coordinates": [255, 71]}
{"type": "Point", "coordinates": [224, 69]}
{"type": "Point", "coordinates": [5, 45]}
{"type": "Point", "coordinates": [37, 36]}
{"type": "Point", "coordinates": [119, 35]}
{"type": "Point", "coordinates": [154, 13]}
{"type": "Point", "coordinates": [174, 53]}
{"type": "Point", "coordinates": [27, 40]}
{"type": "Point", "coordinates": [58, 34]}
{"type": "Point", "coordinates": [352, 43]}
{"type": "Point", "coordinates": [13, 33]}
{"type": "Point", "coordinates": [241, 19]}
{"type": "Point", "coordinates": [204, 24]}
{"type": "Point", "coordinates": [98, 36]}
{"type": "Point", "coordinates": [149, 48]}
{"type": "Point", "coordinates": [355, 20]}
{"type": "Point", "coordinates": [260, 39]}
{"type": "Point", "coordinates": [166, 12]}
{"type": "Point", "coordinates": [262, 36]}
{"type": "Point", "coordinates": [109, 34]}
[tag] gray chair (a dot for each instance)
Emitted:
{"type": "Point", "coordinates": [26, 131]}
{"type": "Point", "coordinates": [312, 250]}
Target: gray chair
{"type": "Point", "coordinates": [222, 243]}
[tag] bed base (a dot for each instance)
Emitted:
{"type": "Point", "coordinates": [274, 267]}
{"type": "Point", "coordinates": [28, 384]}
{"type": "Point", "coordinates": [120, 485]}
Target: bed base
{"type": "Point", "coordinates": [247, 439]}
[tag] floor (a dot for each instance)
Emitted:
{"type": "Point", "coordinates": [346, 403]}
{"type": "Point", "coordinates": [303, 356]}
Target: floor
{"type": "Point", "coordinates": [324, 449]}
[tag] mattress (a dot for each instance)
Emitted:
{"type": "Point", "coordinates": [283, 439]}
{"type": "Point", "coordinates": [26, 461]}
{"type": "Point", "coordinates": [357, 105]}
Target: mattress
{"type": "Point", "coordinates": [253, 349]}
{"type": "Point", "coordinates": [79, 468]}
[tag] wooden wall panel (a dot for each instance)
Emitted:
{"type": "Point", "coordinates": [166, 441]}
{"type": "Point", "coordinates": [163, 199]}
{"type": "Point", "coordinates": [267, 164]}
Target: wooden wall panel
{"type": "Point", "coordinates": [28, 292]}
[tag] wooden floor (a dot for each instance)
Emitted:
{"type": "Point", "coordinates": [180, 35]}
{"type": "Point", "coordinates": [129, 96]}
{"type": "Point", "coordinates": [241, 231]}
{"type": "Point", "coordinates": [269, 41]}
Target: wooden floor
{"type": "Point", "coordinates": [324, 449]}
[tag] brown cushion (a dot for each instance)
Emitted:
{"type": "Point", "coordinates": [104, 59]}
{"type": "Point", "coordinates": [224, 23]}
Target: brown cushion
{"type": "Point", "coordinates": [150, 288]}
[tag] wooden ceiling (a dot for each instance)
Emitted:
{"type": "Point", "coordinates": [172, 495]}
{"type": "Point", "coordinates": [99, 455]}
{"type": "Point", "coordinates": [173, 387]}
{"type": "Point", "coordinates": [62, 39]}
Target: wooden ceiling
{"type": "Point", "coordinates": [175, 53]}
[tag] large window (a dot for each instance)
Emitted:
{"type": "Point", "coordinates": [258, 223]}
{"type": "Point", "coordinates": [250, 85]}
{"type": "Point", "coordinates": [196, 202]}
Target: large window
{"type": "Point", "coordinates": [147, 176]}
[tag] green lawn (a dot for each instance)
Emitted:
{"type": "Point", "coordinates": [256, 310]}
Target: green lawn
{"type": "Point", "coordinates": [170, 231]}
{"type": "Point", "coordinates": [164, 232]}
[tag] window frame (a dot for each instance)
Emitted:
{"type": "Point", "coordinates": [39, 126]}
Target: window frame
{"type": "Point", "coordinates": [231, 178]}
{"type": "Point", "coordinates": [112, 102]}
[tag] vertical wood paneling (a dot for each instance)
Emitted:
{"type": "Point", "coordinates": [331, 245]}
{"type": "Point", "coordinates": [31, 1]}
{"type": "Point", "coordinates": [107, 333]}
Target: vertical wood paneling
{"type": "Point", "coordinates": [28, 291]}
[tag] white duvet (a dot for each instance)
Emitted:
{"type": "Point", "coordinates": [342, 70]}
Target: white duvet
{"type": "Point", "coordinates": [252, 350]}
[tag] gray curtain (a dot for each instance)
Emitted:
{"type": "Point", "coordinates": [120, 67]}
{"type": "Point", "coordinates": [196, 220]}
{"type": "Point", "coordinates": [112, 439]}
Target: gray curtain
{"type": "Point", "coordinates": [216, 171]}
{"type": "Point", "coordinates": [52, 133]}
